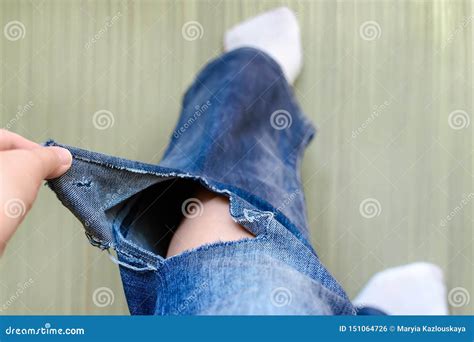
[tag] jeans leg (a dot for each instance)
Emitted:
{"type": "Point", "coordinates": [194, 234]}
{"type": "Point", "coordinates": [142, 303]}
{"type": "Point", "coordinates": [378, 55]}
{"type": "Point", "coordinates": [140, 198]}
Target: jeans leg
{"type": "Point", "coordinates": [241, 126]}
{"type": "Point", "coordinates": [241, 134]}
{"type": "Point", "coordinates": [241, 130]}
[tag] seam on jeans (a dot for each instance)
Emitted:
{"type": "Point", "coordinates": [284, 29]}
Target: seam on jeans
{"type": "Point", "coordinates": [124, 264]}
{"type": "Point", "coordinates": [130, 249]}
{"type": "Point", "coordinates": [107, 245]}
{"type": "Point", "coordinates": [97, 242]}
{"type": "Point", "coordinates": [148, 267]}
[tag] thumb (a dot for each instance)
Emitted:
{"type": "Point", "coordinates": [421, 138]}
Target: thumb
{"type": "Point", "coordinates": [52, 161]}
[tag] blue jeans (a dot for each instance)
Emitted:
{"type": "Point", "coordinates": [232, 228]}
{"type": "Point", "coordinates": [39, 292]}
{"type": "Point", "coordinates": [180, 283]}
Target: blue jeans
{"type": "Point", "coordinates": [240, 134]}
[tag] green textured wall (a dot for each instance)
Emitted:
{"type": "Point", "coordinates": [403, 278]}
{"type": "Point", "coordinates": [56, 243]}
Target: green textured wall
{"type": "Point", "coordinates": [387, 83]}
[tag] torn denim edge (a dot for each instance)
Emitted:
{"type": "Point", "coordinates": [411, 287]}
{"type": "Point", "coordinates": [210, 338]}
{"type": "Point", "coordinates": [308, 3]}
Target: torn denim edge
{"type": "Point", "coordinates": [255, 221]}
{"type": "Point", "coordinates": [238, 208]}
{"type": "Point", "coordinates": [234, 194]}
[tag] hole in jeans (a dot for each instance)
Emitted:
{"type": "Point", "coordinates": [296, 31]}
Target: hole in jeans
{"type": "Point", "coordinates": [206, 220]}
{"type": "Point", "coordinates": [155, 213]}
{"type": "Point", "coordinates": [83, 183]}
{"type": "Point", "coordinates": [177, 215]}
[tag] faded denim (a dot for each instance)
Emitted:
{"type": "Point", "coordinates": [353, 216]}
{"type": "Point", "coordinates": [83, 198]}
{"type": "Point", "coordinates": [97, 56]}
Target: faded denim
{"type": "Point", "coordinates": [241, 134]}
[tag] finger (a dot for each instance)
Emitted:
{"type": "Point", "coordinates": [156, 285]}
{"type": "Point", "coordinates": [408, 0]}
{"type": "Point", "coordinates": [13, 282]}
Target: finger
{"type": "Point", "coordinates": [49, 162]}
{"type": "Point", "coordinates": [10, 141]}
{"type": "Point", "coordinates": [18, 191]}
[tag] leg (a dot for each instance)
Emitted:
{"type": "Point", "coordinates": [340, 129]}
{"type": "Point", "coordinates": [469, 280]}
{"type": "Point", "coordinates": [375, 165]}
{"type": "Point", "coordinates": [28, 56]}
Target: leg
{"type": "Point", "coordinates": [243, 134]}
{"type": "Point", "coordinates": [212, 225]}
{"type": "Point", "coordinates": [240, 133]}
{"type": "Point", "coordinates": [277, 33]}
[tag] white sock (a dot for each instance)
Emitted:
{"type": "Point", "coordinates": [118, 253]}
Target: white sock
{"type": "Point", "coordinates": [414, 289]}
{"type": "Point", "coordinates": [275, 32]}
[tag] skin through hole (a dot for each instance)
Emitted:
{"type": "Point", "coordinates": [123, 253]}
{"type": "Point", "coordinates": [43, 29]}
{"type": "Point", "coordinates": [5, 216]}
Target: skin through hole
{"type": "Point", "coordinates": [211, 222]}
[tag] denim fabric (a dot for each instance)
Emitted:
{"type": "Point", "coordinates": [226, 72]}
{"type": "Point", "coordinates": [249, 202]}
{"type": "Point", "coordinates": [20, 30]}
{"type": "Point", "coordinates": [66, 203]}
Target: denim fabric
{"type": "Point", "coordinates": [369, 311]}
{"type": "Point", "coordinates": [240, 134]}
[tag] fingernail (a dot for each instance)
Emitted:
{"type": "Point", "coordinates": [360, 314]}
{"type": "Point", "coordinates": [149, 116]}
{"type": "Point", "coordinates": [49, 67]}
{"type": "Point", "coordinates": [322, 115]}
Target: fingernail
{"type": "Point", "coordinates": [64, 155]}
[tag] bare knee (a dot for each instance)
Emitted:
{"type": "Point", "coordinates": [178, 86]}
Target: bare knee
{"type": "Point", "coordinates": [214, 223]}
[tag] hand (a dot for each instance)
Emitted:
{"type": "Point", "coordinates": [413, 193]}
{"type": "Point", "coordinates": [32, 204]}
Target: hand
{"type": "Point", "coordinates": [23, 167]}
